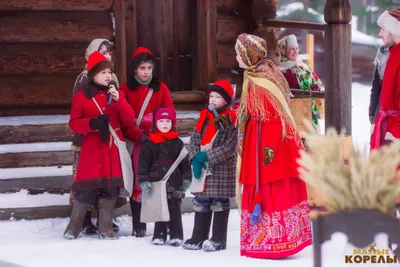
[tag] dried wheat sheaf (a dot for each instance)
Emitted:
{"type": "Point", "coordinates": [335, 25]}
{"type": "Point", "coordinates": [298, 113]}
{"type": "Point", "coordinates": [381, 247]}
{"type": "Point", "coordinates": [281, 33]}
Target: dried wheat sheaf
{"type": "Point", "coordinates": [357, 183]}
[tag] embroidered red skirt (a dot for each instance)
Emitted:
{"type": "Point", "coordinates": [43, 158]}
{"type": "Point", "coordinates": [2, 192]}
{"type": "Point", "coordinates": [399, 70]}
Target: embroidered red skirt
{"type": "Point", "coordinates": [284, 226]}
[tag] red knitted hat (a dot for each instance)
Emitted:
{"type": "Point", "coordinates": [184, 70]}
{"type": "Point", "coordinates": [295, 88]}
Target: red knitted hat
{"type": "Point", "coordinates": [225, 89]}
{"type": "Point", "coordinates": [390, 21]}
{"type": "Point", "coordinates": [141, 50]}
{"type": "Point", "coordinates": [165, 113]}
{"type": "Point", "coordinates": [96, 63]}
{"type": "Point", "coordinates": [141, 55]}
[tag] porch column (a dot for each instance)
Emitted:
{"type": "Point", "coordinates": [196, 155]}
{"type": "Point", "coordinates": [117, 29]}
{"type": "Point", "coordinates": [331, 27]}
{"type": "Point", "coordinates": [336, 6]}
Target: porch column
{"type": "Point", "coordinates": [338, 69]}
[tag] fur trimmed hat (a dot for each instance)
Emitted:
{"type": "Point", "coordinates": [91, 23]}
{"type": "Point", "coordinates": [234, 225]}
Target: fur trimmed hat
{"type": "Point", "coordinates": [225, 89]}
{"type": "Point", "coordinates": [390, 21]}
{"type": "Point", "coordinates": [141, 55]}
{"type": "Point", "coordinates": [96, 63]}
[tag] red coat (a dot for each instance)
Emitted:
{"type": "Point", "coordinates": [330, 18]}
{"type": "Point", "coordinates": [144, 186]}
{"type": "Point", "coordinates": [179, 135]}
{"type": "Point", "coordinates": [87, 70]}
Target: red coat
{"type": "Point", "coordinates": [136, 93]}
{"type": "Point", "coordinates": [388, 120]}
{"type": "Point", "coordinates": [99, 164]}
{"type": "Point", "coordinates": [286, 151]}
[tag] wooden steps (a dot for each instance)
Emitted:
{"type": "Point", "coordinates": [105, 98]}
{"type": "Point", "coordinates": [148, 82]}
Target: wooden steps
{"type": "Point", "coordinates": [36, 159]}
{"type": "Point", "coordinates": [56, 129]}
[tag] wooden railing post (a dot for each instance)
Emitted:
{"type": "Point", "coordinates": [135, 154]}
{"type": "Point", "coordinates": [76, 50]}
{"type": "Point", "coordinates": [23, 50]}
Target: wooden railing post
{"type": "Point", "coordinates": [120, 39]}
{"type": "Point", "coordinates": [131, 31]}
{"type": "Point", "coordinates": [338, 71]}
{"type": "Point", "coordinates": [206, 67]}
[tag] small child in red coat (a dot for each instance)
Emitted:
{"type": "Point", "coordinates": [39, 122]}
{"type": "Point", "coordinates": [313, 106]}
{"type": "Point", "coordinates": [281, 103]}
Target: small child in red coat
{"type": "Point", "coordinates": [99, 174]}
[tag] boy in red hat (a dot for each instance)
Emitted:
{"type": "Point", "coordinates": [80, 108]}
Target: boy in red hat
{"type": "Point", "coordinates": [99, 175]}
{"type": "Point", "coordinates": [217, 120]}
{"type": "Point", "coordinates": [140, 81]}
{"type": "Point", "coordinates": [155, 159]}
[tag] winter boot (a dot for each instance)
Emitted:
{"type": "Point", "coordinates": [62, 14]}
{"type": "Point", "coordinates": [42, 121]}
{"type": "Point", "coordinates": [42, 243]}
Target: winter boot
{"type": "Point", "coordinates": [160, 234]}
{"type": "Point", "coordinates": [106, 208]}
{"type": "Point", "coordinates": [115, 227]}
{"type": "Point", "coordinates": [175, 226]}
{"type": "Point", "coordinates": [88, 228]}
{"type": "Point", "coordinates": [202, 222]}
{"type": "Point", "coordinates": [76, 220]}
{"type": "Point", "coordinates": [138, 228]}
{"type": "Point", "coordinates": [220, 228]}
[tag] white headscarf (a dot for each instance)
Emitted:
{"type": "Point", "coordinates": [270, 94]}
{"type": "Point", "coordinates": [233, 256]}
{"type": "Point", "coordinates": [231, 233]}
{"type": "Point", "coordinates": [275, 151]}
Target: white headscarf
{"type": "Point", "coordinates": [93, 46]}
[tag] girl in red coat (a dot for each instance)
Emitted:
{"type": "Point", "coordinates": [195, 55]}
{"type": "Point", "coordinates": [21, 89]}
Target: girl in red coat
{"type": "Point", "coordinates": [141, 83]}
{"type": "Point", "coordinates": [275, 220]}
{"type": "Point", "coordinates": [99, 176]}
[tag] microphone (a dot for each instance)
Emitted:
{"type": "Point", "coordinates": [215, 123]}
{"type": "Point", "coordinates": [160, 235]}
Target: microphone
{"type": "Point", "coordinates": [111, 84]}
{"type": "Point", "coordinates": [211, 108]}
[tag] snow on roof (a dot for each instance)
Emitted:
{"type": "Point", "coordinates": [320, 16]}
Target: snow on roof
{"type": "Point", "coordinates": [357, 36]}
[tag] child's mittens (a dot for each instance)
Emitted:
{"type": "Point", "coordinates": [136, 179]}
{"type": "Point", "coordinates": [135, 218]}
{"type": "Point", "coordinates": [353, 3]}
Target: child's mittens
{"type": "Point", "coordinates": [185, 185]}
{"type": "Point", "coordinates": [146, 188]}
{"type": "Point", "coordinates": [201, 156]}
{"type": "Point", "coordinates": [197, 168]}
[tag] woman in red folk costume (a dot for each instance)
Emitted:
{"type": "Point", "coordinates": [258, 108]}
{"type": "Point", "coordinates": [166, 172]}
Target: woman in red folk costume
{"type": "Point", "coordinates": [275, 219]}
{"type": "Point", "coordinates": [387, 125]}
{"type": "Point", "coordinates": [143, 84]}
{"type": "Point", "coordinates": [99, 175]}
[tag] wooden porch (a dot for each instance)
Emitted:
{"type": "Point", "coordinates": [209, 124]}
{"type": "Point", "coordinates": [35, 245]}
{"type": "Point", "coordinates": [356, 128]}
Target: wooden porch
{"type": "Point", "coordinates": [43, 45]}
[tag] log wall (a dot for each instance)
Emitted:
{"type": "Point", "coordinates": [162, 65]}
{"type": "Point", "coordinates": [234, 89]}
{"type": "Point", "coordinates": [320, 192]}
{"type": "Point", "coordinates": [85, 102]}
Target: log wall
{"type": "Point", "coordinates": [43, 43]}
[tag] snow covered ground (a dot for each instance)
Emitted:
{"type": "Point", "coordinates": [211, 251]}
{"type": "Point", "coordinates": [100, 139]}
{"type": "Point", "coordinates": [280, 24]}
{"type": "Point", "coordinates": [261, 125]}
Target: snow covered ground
{"type": "Point", "coordinates": [40, 243]}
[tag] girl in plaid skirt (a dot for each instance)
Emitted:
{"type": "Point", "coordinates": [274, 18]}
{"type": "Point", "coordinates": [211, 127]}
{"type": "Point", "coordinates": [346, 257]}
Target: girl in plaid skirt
{"type": "Point", "coordinates": [219, 183]}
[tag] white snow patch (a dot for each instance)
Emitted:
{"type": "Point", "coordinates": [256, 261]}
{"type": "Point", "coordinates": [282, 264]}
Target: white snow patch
{"type": "Point", "coordinates": [357, 36]}
{"type": "Point", "coordinates": [61, 119]}
{"type": "Point", "coordinates": [48, 147]}
{"type": "Point", "coordinates": [360, 97]}
{"type": "Point", "coordinates": [22, 199]}
{"type": "Point", "coordinates": [27, 172]}
{"type": "Point", "coordinates": [34, 120]}
{"type": "Point", "coordinates": [372, 8]}
{"type": "Point", "coordinates": [42, 245]}
{"type": "Point", "coordinates": [35, 147]}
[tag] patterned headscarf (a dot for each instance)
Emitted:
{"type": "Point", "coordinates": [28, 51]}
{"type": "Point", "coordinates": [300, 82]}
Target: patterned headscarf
{"type": "Point", "coordinates": [253, 51]}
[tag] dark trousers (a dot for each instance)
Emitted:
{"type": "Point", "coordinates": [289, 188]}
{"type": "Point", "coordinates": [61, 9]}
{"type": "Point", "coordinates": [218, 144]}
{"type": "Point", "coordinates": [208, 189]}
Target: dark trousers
{"type": "Point", "coordinates": [90, 196]}
{"type": "Point", "coordinates": [175, 224]}
{"type": "Point", "coordinates": [201, 204]}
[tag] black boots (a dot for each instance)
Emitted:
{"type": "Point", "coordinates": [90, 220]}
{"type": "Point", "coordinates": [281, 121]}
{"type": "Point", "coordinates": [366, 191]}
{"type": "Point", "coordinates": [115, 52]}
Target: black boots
{"type": "Point", "coordinates": [78, 214]}
{"type": "Point", "coordinates": [220, 228]}
{"type": "Point", "coordinates": [175, 228]}
{"type": "Point", "coordinates": [106, 210]}
{"type": "Point", "coordinates": [138, 228]}
{"type": "Point", "coordinates": [88, 228]}
{"type": "Point", "coordinates": [202, 222]}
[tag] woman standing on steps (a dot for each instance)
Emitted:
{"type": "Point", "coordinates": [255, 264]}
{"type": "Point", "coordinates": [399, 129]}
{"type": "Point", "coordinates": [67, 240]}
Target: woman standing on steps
{"type": "Point", "coordinates": [104, 47]}
{"type": "Point", "coordinates": [142, 84]}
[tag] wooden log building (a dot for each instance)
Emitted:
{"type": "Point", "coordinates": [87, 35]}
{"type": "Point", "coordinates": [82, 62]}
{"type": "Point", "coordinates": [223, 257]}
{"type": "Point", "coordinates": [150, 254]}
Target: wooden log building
{"type": "Point", "coordinates": [42, 44]}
